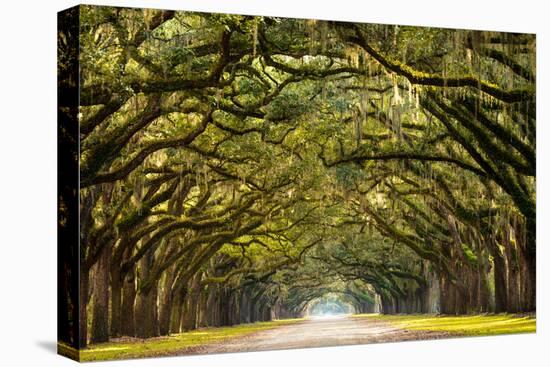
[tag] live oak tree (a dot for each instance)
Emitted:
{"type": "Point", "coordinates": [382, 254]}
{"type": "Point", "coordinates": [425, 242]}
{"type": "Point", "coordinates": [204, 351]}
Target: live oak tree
{"type": "Point", "coordinates": [237, 168]}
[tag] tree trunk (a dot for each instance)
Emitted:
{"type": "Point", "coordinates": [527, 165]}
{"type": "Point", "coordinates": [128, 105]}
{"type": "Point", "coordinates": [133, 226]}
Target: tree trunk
{"type": "Point", "coordinates": [83, 313]}
{"type": "Point", "coordinates": [166, 302]}
{"type": "Point", "coordinates": [501, 289]}
{"type": "Point", "coordinates": [527, 282]}
{"type": "Point", "coordinates": [116, 303]}
{"type": "Point", "coordinates": [146, 315]}
{"type": "Point", "coordinates": [526, 237]}
{"type": "Point", "coordinates": [462, 300]}
{"type": "Point", "coordinates": [127, 321]}
{"type": "Point", "coordinates": [513, 272]}
{"type": "Point", "coordinates": [178, 302]}
{"type": "Point", "coordinates": [445, 296]}
{"type": "Point", "coordinates": [202, 313]}
{"type": "Point", "coordinates": [190, 318]}
{"type": "Point", "coordinates": [100, 319]}
{"type": "Point", "coordinates": [483, 297]}
{"type": "Point", "coordinates": [234, 311]}
{"type": "Point", "coordinates": [244, 307]}
{"type": "Point", "coordinates": [117, 285]}
{"type": "Point", "coordinates": [209, 306]}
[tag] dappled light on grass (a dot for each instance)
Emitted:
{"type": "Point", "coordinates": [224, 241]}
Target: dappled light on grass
{"type": "Point", "coordinates": [478, 325]}
{"type": "Point", "coordinates": [463, 325]}
{"type": "Point", "coordinates": [172, 344]}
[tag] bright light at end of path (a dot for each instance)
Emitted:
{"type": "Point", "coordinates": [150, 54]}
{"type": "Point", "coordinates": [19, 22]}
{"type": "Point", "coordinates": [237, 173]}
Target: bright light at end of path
{"type": "Point", "coordinates": [327, 316]}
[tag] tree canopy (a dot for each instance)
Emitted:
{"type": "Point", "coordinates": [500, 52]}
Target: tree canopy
{"type": "Point", "coordinates": [237, 168]}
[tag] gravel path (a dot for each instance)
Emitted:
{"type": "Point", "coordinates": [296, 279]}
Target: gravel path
{"type": "Point", "coordinates": [317, 332]}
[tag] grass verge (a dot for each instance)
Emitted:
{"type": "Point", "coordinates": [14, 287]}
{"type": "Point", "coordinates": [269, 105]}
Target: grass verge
{"type": "Point", "coordinates": [169, 345]}
{"type": "Point", "coordinates": [476, 325]}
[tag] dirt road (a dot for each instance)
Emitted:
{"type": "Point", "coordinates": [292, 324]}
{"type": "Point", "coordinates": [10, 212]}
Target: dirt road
{"type": "Point", "coordinates": [317, 332]}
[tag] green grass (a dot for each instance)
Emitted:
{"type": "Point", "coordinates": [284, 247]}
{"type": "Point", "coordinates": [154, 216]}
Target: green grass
{"type": "Point", "coordinates": [459, 325]}
{"type": "Point", "coordinates": [477, 325]}
{"type": "Point", "coordinates": [171, 344]}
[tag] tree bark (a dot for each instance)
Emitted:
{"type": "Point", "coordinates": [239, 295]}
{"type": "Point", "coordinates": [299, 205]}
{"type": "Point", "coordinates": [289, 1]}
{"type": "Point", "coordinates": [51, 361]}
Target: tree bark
{"type": "Point", "coordinates": [166, 303]}
{"type": "Point", "coordinates": [483, 297]}
{"type": "Point", "coordinates": [526, 236]}
{"type": "Point", "coordinates": [116, 304]}
{"type": "Point", "coordinates": [512, 265]}
{"type": "Point", "coordinates": [190, 317]}
{"type": "Point", "coordinates": [117, 286]}
{"type": "Point", "coordinates": [146, 315]}
{"type": "Point", "coordinates": [83, 304]}
{"type": "Point", "coordinates": [127, 321]}
{"type": "Point", "coordinates": [244, 307]}
{"type": "Point", "coordinates": [178, 303]}
{"type": "Point", "coordinates": [499, 271]}
{"type": "Point", "coordinates": [100, 319]}
{"type": "Point", "coordinates": [202, 313]}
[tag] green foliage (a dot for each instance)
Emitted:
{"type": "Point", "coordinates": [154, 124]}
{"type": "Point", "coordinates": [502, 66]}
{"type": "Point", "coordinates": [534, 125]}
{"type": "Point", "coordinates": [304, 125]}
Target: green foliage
{"type": "Point", "coordinates": [469, 254]}
{"type": "Point", "coordinates": [296, 159]}
{"type": "Point", "coordinates": [348, 175]}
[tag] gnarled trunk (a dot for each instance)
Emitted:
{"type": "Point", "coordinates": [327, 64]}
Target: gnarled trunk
{"type": "Point", "coordinates": [146, 314]}
{"type": "Point", "coordinates": [166, 303]}
{"type": "Point", "coordinates": [501, 289]}
{"type": "Point", "coordinates": [100, 319]}
{"type": "Point", "coordinates": [127, 322]}
{"type": "Point", "coordinates": [190, 311]}
{"type": "Point", "coordinates": [83, 312]}
{"type": "Point", "coordinates": [116, 304]}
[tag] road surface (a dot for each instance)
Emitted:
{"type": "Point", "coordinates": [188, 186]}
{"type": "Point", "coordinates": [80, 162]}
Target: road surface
{"type": "Point", "coordinates": [317, 332]}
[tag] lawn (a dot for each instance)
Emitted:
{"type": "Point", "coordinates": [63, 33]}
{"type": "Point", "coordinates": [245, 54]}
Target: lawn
{"type": "Point", "coordinates": [461, 325]}
{"type": "Point", "coordinates": [477, 325]}
{"type": "Point", "coordinates": [169, 345]}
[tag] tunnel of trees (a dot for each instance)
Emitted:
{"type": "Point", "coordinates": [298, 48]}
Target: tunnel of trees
{"type": "Point", "coordinates": [237, 168]}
